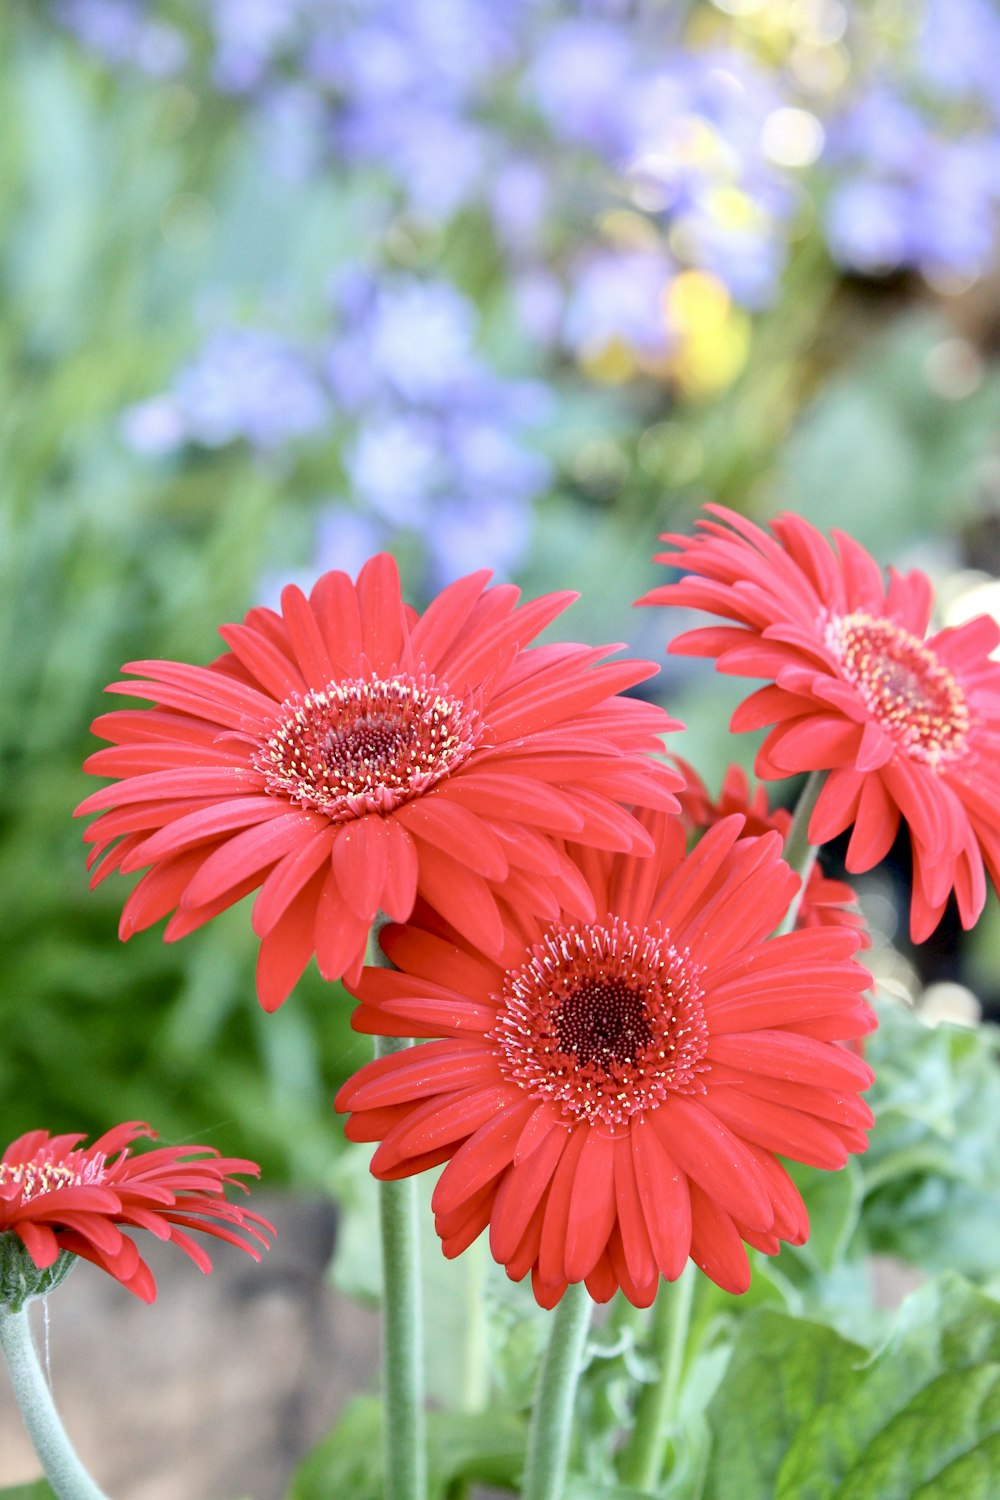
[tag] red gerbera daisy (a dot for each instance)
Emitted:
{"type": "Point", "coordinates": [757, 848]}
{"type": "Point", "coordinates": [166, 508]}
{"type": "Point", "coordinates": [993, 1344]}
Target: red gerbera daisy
{"type": "Point", "coordinates": [610, 1095]}
{"type": "Point", "coordinates": [825, 902]}
{"type": "Point", "coordinates": [348, 753]}
{"type": "Point", "coordinates": [906, 723]}
{"type": "Point", "coordinates": [56, 1196]}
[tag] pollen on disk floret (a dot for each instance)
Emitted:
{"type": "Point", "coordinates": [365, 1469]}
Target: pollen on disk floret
{"type": "Point", "coordinates": [43, 1174]}
{"type": "Point", "coordinates": [366, 744]}
{"type": "Point", "coordinates": [904, 684]}
{"type": "Point", "coordinates": [603, 1019]}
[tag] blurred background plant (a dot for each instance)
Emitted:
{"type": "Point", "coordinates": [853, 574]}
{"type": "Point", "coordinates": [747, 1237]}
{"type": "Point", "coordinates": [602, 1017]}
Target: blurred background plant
{"type": "Point", "coordinates": [286, 281]}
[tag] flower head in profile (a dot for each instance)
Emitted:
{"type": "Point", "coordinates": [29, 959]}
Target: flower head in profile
{"type": "Point", "coordinates": [611, 1096]}
{"type": "Point", "coordinates": [348, 753]}
{"type": "Point", "coordinates": [906, 723]}
{"type": "Point", "coordinates": [825, 902]}
{"type": "Point", "coordinates": [58, 1196]}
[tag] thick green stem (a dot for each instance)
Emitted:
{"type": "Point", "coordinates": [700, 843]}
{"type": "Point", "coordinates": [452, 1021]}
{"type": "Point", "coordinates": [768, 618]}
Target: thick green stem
{"type": "Point", "coordinates": [798, 851]}
{"type": "Point", "coordinates": [402, 1333]}
{"type": "Point", "coordinates": [404, 1431]}
{"type": "Point", "coordinates": [656, 1411]}
{"type": "Point", "coordinates": [64, 1471]}
{"type": "Point", "coordinates": [552, 1417]}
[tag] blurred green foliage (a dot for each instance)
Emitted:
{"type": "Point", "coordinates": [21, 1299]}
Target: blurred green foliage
{"type": "Point", "coordinates": [101, 561]}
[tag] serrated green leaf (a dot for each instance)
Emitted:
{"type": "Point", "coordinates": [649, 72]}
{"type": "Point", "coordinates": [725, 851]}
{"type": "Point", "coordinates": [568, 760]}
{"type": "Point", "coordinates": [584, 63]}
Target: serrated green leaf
{"type": "Point", "coordinates": [780, 1368]}
{"type": "Point", "coordinates": [921, 1415]}
{"type": "Point", "coordinates": [932, 1172]}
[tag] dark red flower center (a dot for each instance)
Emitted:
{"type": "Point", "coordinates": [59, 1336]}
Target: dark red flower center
{"type": "Point", "coordinates": [908, 689]}
{"type": "Point", "coordinates": [366, 745]}
{"type": "Point", "coordinates": [604, 1019]}
{"type": "Point", "coordinates": [43, 1174]}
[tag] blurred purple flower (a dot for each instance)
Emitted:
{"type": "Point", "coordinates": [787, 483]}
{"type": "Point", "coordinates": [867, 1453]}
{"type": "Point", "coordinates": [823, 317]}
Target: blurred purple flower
{"type": "Point", "coordinates": [154, 427]}
{"type": "Point", "coordinates": [956, 208]}
{"type": "Point", "coordinates": [868, 224]}
{"type": "Point", "coordinates": [436, 156]}
{"type": "Point", "coordinates": [244, 384]}
{"type": "Point", "coordinates": [908, 195]}
{"type": "Point", "coordinates": [123, 32]}
{"type": "Point", "coordinates": [618, 297]}
{"type": "Point", "coordinates": [468, 532]}
{"type": "Point", "coordinates": [580, 79]}
{"type": "Point", "coordinates": [440, 437]}
{"type": "Point", "coordinates": [539, 300]}
{"type": "Point", "coordinates": [520, 198]}
{"type": "Point", "coordinates": [249, 36]}
{"type": "Point", "coordinates": [408, 336]}
{"type": "Point", "coordinates": [291, 126]}
{"type": "Point", "coordinates": [747, 258]}
{"type": "Point", "coordinates": [393, 465]}
{"type": "Point", "coordinates": [880, 132]}
{"type": "Point", "coordinates": [697, 159]}
{"type": "Point", "coordinates": [345, 539]}
{"type": "Point", "coordinates": [487, 457]}
{"type": "Point", "coordinates": [959, 48]}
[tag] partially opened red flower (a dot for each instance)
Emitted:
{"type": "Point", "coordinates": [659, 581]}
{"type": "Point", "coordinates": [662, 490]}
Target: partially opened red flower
{"type": "Point", "coordinates": [611, 1096]}
{"type": "Point", "coordinates": [347, 753]}
{"type": "Point", "coordinates": [906, 723]}
{"type": "Point", "coordinates": [825, 902]}
{"type": "Point", "coordinates": [57, 1195]}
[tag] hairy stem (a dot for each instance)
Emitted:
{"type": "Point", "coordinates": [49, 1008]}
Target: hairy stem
{"type": "Point", "coordinates": [63, 1469]}
{"type": "Point", "coordinates": [798, 851]}
{"type": "Point", "coordinates": [656, 1410]}
{"type": "Point", "coordinates": [552, 1416]}
{"type": "Point", "coordinates": [404, 1430]}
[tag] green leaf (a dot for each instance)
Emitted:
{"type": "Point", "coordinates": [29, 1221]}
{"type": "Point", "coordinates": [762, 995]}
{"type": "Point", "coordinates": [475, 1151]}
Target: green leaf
{"type": "Point", "coordinates": [40, 1489]}
{"type": "Point", "coordinates": [780, 1368]}
{"type": "Point", "coordinates": [803, 1414]}
{"type": "Point", "coordinates": [482, 1447]}
{"type": "Point", "coordinates": [348, 1461]}
{"type": "Point", "coordinates": [921, 1419]}
{"type": "Point", "coordinates": [487, 1447]}
{"type": "Point", "coordinates": [834, 1202]}
{"type": "Point", "coordinates": [932, 1172]}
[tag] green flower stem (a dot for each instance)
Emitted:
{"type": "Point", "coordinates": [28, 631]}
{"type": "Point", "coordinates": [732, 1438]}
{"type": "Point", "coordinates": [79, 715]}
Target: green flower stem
{"type": "Point", "coordinates": [656, 1410]}
{"type": "Point", "coordinates": [552, 1417]}
{"type": "Point", "coordinates": [798, 851]}
{"type": "Point", "coordinates": [404, 1430]}
{"type": "Point", "coordinates": [64, 1471]}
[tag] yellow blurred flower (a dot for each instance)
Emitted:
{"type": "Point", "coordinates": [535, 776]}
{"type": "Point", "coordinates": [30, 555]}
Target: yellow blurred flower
{"type": "Point", "coordinates": [712, 336]}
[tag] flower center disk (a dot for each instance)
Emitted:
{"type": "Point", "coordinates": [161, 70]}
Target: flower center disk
{"type": "Point", "coordinates": [603, 1019]}
{"type": "Point", "coordinates": [910, 692]}
{"type": "Point", "coordinates": [366, 744]}
{"type": "Point", "coordinates": [43, 1175]}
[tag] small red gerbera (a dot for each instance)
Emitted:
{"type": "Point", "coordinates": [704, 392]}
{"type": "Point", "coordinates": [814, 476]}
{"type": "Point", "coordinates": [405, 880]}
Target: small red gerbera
{"type": "Point", "coordinates": [346, 754]}
{"type": "Point", "coordinates": [906, 724]}
{"type": "Point", "coordinates": [825, 902]}
{"type": "Point", "coordinates": [611, 1095]}
{"type": "Point", "coordinates": [56, 1196]}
